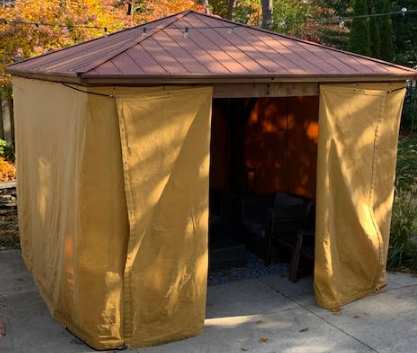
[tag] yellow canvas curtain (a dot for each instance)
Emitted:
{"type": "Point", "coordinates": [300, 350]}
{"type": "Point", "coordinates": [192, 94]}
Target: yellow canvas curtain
{"type": "Point", "coordinates": [72, 209]}
{"type": "Point", "coordinates": [165, 142]}
{"type": "Point", "coordinates": [113, 279]}
{"type": "Point", "coordinates": [355, 184]}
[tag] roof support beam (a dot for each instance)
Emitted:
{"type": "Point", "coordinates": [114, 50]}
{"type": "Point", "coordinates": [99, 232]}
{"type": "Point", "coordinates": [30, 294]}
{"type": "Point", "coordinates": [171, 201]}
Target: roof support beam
{"type": "Point", "coordinates": [265, 90]}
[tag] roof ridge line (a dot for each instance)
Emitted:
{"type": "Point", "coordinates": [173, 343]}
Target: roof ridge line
{"type": "Point", "coordinates": [305, 41]}
{"type": "Point", "coordinates": [94, 39]}
{"type": "Point", "coordinates": [177, 16]}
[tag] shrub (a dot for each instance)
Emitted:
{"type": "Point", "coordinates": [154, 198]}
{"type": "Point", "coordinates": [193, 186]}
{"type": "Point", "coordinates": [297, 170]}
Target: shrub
{"type": "Point", "coordinates": [7, 170]}
{"type": "Point", "coordinates": [406, 163]}
{"type": "Point", "coordinates": [6, 151]}
{"type": "Point", "coordinates": [403, 243]}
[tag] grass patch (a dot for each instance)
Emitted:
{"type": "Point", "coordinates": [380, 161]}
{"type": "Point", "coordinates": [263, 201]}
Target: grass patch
{"type": "Point", "coordinates": [403, 243]}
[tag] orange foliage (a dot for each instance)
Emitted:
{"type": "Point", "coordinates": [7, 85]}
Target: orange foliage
{"type": "Point", "coordinates": [151, 9]}
{"type": "Point", "coordinates": [7, 170]}
{"type": "Point", "coordinates": [21, 38]}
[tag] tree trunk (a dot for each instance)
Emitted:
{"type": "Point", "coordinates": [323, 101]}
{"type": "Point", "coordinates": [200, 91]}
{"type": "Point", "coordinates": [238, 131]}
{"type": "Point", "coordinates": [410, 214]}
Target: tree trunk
{"type": "Point", "coordinates": [7, 120]}
{"type": "Point", "coordinates": [230, 8]}
{"type": "Point", "coordinates": [1, 118]}
{"type": "Point", "coordinates": [11, 116]}
{"type": "Point", "coordinates": [267, 14]}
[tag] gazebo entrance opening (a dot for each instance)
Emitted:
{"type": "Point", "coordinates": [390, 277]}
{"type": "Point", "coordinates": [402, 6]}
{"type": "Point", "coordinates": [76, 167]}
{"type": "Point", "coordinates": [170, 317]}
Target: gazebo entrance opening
{"type": "Point", "coordinates": [262, 182]}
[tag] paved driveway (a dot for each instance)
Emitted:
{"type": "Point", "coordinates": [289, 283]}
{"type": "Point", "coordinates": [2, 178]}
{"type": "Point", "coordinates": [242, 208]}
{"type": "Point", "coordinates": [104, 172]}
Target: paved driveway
{"type": "Point", "coordinates": [263, 315]}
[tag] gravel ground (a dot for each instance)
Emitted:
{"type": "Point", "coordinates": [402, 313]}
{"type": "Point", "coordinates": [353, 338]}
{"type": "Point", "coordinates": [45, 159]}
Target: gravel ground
{"type": "Point", "coordinates": [255, 268]}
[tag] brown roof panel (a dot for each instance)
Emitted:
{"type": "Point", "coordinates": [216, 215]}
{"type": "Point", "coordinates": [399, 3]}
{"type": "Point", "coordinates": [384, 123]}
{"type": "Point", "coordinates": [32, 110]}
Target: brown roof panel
{"type": "Point", "coordinates": [195, 46]}
{"type": "Point", "coordinates": [194, 50]}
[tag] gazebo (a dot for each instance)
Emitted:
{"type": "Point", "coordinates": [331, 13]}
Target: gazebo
{"type": "Point", "coordinates": [113, 161]}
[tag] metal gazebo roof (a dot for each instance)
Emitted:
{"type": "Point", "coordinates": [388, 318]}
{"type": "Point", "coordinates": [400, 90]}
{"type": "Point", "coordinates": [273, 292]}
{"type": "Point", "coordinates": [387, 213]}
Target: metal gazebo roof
{"type": "Point", "coordinates": [198, 48]}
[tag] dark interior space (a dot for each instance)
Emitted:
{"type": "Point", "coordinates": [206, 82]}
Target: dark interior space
{"type": "Point", "coordinates": [262, 182]}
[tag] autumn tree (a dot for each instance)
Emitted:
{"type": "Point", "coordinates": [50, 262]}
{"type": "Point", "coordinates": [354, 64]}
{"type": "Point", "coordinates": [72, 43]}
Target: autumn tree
{"type": "Point", "coordinates": [33, 27]}
{"type": "Point", "coordinates": [148, 10]}
{"type": "Point", "coordinates": [243, 11]}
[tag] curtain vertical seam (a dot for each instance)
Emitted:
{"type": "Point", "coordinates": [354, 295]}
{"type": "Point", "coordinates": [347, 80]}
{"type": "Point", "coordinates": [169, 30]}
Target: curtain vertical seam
{"type": "Point", "coordinates": [372, 181]}
{"type": "Point", "coordinates": [127, 288]}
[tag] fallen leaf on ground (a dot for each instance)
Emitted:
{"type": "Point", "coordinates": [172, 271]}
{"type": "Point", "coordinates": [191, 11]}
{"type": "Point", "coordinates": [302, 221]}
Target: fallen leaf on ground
{"type": "Point", "coordinates": [2, 329]}
{"type": "Point", "coordinates": [263, 339]}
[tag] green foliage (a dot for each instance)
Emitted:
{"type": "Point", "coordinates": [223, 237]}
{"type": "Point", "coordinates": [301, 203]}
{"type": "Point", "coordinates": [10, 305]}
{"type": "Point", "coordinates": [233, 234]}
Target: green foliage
{"type": "Point", "coordinates": [403, 243]}
{"type": "Point", "coordinates": [374, 30]}
{"type": "Point", "coordinates": [6, 151]}
{"type": "Point", "coordinates": [360, 31]}
{"type": "Point", "coordinates": [405, 29]}
{"type": "Point", "coordinates": [385, 30]}
{"type": "Point", "coordinates": [328, 30]}
{"type": "Point", "coordinates": [334, 38]}
{"type": "Point", "coordinates": [407, 163]}
{"type": "Point", "coordinates": [290, 16]}
{"type": "Point", "coordinates": [372, 36]}
{"type": "Point", "coordinates": [337, 7]}
{"type": "Point", "coordinates": [245, 11]}
{"type": "Point", "coordinates": [402, 253]}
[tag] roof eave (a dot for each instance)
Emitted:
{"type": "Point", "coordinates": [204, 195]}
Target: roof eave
{"type": "Point", "coordinates": [209, 79]}
{"type": "Point", "coordinates": [53, 77]}
{"type": "Point", "coordinates": [138, 80]}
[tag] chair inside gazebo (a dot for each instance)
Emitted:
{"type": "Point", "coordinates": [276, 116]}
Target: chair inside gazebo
{"type": "Point", "coordinates": [262, 182]}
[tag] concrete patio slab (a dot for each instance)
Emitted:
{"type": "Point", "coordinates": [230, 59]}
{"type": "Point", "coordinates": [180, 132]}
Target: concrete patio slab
{"type": "Point", "coordinates": [290, 331]}
{"type": "Point", "coordinates": [263, 315]}
{"type": "Point", "coordinates": [14, 278]}
{"type": "Point", "coordinates": [255, 298]}
{"type": "Point", "coordinates": [386, 321]}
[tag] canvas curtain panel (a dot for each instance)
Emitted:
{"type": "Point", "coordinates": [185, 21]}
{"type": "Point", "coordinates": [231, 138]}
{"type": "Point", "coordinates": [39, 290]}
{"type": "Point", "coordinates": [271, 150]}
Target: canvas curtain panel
{"type": "Point", "coordinates": [357, 150]}
{"type": "Point", "coordinates": [72, 210]}
{"type": "Point", "coordinates": [116, 242]}
{"type": "Point", "coordinates": [166, 152]}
